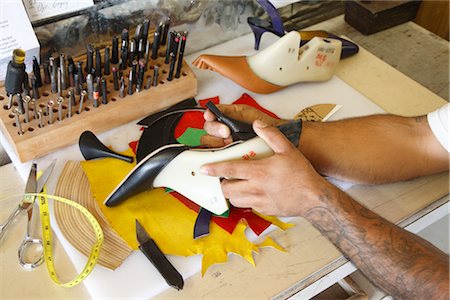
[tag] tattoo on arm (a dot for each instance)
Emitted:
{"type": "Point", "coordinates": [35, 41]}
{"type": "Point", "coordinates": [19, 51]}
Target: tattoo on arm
{"type": "Point", "coordinates": [399, 262]}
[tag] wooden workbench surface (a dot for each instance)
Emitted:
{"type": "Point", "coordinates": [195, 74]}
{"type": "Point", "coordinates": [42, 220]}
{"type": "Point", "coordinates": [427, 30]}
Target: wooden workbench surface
{"type": "Point", "coordinates": [308, 250]}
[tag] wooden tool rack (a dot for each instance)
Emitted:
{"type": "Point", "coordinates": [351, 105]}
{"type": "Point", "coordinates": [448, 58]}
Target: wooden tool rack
{"type": "Point", "coordinates": [38, 141]}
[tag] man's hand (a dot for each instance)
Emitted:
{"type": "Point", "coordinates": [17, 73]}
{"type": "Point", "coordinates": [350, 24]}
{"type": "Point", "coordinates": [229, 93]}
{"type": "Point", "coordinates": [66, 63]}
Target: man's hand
{"type": "Point", "coordinates": [284, 184]}
{"type": "Point", "coordinates": [219, 134]}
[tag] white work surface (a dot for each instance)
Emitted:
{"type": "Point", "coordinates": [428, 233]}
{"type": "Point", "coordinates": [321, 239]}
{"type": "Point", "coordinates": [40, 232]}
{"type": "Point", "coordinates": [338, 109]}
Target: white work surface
{"type": "Point", "coordinates": [136, 277]}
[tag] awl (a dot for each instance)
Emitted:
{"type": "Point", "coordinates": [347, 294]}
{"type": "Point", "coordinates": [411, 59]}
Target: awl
{"type": "Point", "coordinates": [148, 246]}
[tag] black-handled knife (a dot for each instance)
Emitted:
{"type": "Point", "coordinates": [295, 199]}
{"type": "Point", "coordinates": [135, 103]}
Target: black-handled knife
{"type": "Point", "coordinates": [148, 246]}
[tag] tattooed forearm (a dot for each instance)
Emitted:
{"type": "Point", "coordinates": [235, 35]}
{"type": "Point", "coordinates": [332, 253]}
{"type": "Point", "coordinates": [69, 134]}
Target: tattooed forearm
{"type": "Point", "coordinates": [399, 262]}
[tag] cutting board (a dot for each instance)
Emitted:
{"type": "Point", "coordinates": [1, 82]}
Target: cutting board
{"type": "Point", "coordinates": [136, 277]}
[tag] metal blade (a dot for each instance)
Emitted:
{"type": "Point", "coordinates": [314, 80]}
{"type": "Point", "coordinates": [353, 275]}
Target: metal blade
{"type": "Point", "coordinates": [44, 177]}
{"type": "Point", "coordinates": [31, 182]}
{"type": "Point", "coordinates": [158, 259]}
{"type": "Point", "coordinates": [141, 235]}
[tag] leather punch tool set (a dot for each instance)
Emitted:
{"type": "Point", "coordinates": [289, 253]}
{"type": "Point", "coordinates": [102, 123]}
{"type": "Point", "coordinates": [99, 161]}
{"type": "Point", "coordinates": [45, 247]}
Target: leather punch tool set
{"type": "Point", "coordinates": [137, 74]}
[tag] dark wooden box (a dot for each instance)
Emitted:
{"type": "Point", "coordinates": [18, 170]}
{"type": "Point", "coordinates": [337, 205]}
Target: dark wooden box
{"type": "Point", "coordinates": [372, 16]}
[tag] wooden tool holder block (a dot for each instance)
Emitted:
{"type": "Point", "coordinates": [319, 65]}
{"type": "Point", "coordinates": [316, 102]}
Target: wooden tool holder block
{"type": "Point", "coordinates": [36, 141]}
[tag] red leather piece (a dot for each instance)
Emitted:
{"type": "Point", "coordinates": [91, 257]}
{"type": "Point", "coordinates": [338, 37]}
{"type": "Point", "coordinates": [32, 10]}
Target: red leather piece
{"type": "Point", "coordinates": [215, 100]}
{"type": "Point", "coordinates": [247, 99]}
{"type": "Point", "coordinates": [255, 222]}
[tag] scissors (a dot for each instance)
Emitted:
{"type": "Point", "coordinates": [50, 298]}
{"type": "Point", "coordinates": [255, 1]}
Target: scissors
{"type": "Point", "coordinates": [30, 251]}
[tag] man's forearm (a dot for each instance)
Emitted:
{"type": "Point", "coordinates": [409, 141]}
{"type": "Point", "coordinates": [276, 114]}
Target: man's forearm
{"type": "Point", "coordinates": [373, 149]}
{"type": "Point", "coordinates": [397, 261]}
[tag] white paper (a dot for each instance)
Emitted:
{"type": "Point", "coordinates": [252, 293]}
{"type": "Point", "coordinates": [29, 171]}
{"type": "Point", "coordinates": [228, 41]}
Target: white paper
{"type": "Point", "coordinates": [16, 32]}
{"type": "Point", "coordinates": [42, 9]}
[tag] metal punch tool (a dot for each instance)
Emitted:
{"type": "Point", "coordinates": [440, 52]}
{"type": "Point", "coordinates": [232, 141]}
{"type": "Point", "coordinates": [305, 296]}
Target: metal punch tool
{"type": "Point", "coordinates": [29, 243]}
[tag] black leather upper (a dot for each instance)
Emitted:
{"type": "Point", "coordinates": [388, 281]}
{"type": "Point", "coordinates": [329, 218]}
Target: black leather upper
{"type": "Point", "coordinates": [141, 178]}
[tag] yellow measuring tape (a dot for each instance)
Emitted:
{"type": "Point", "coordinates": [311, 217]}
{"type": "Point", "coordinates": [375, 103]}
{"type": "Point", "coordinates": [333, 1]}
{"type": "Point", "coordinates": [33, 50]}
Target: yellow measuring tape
{"type": "Point", "coordinates": [47, 238]}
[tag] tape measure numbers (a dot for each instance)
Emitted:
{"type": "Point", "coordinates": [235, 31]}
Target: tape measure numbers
{"type": "Point", "coordinates": [47, 239]}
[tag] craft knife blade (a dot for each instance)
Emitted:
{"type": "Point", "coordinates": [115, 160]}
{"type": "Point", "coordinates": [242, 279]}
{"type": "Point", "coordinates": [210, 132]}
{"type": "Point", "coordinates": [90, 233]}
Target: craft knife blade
{"type": "Point", "coordinates": [158, 259]}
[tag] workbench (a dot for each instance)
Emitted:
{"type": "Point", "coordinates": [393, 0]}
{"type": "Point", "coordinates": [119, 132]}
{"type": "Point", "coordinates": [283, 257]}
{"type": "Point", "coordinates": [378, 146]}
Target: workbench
{"type": "Point", "coordinates": [312, 263]}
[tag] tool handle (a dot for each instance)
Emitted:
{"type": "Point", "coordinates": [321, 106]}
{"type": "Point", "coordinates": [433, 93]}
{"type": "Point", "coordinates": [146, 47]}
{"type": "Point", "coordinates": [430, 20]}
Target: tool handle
{"type": "Point", "coordinates": [12, 216]}
{"type": "Point", "coordinates": [239, 130]}
{"type": "Point", "coordinates": [162, 264]}
{"type": "Point", "coordinates": [31, 253]}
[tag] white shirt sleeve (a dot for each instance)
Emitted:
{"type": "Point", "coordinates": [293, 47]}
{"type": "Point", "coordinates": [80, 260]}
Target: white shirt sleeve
{"type": "Point", "coordinates": [439, 124]}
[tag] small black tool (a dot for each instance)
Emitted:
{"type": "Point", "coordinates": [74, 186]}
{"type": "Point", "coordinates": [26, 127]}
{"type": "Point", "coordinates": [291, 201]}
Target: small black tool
{"type": "Point", "coordinates": [148, 246]}
{"type": "Point", "coordinates": [172, 67]}
{"type": "Point", "coordinates": [81, 78]}
{"type": "Point", "coordinates": [98, 63]}
{"type": "Point", "coordinates": [133, 51]}
{"type": "Point", "coordinates": [165, 31]}
{"type": "Point", "coordinates": [140, 75]}
{"type": "Point", "coordinates": [104, 91]}
{"type": "Point", "coordinates": [106, 67]}
{"type": "Point", "coordinates": [145, 27]}
{"type": "Point", "coordinates": [20, 106]}
{"type": "Point", "coordinates": [239, 130]}
{"type": "Point", "coordinates": [46, 68]}
{"type": "Point", "coordinates": [96, 94]}
{"type": "Point", "coordinates": [159, 29]}
{"type": "Point", "coordinates": [76, 83]}
{"type": "Point", "coordinates": [90, 58]}
{"type": "Point", "coordinates": [53, 75]}
{"type": "Point", "coordinates": [123, 59]}
{"type": "Point", "coordinates": [34, 86]}
{"type": "Point", "coordinates": [14, 73]}
{"type": "Point", "coordinates": [90, 86]}
{"type": "Point", "coordinates": [70, 72]}
{"type": "Point", "coordinates": [125, 38]}
{"type": "Point", "coordinates": [155, 45]}
{"type": "Point", "coordinates": [147, 54]}
{"type": "Point", "coordinates": [138, 32]}
{"type": "Point", "coordinates": [26, 84]}
{"type": "Point", "coordinates": [181, 54]}
{"type": "Point", "coordinates": [115, 79]}
{"type": "Point", "coordinates": [122, 88]}
{"type": "Point", "coordinates": [155, 75]}
{"type": "Point", "coordinates": [72, 97]}
{"type": "Point", "coordinates": [130, 82]}
{"type": "Point", "coordinates": [169, 46]}
{"type": "Point", "coordinates": [134, 68]}
{"type": "Point", "coordinates": [124, 50]}
{"type": "Point", "coordinates": [148, 84]}
{"type": "Point", "coordinates": [115, 51]}
{"type": "Point", "coordinates": [37, 71]}
{"type": "Point", "coordinates": [70, 61]}
{"type": "Point", "coordinates": [176, 42]}
{"type": "Point", "coordinates": [141, 49]}
{"type": "Point", "coordinates": [63, 70]}
{"type": "Point", "coordinates": [91, 148]}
